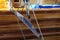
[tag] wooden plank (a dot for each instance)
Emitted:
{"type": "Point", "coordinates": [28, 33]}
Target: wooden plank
{"type": "Point", "coordinates": [49, 22]}
{"type": "Point", "coordinates": [43, 10]}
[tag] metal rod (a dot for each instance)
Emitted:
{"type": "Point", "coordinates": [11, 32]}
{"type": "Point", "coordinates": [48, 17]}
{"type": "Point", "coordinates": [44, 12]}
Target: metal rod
{"type": "Point", "coordinates": [38, 24]}
{"type": "Point", "coordinates": [21, 29]}
{"type": "Point", "coordinates": [27, 23]}
{"type": "Point", "coordinates": [27, 8]}
{"type": "Point", "coordinates": [10, 5]}
{"type": "Point", "coordinates": [11, 9]}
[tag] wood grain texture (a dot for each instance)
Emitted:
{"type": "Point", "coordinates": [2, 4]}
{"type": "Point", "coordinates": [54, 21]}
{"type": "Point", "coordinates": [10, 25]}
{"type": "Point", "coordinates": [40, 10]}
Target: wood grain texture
{"type": "Point", "coordinates": [49, 21]}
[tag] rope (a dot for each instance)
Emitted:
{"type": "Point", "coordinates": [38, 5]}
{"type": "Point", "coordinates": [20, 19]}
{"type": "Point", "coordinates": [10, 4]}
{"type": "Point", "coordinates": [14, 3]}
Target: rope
{"type": "Point", "coordinates": [20, 25]}
{"type": "Point", "coordinates": [37, 23]}
{"type": "Point", "coordinates": [10, 8]}
{"type": "Point", "coordinates": [10, 5]}
{"type": "Point", "coordinates": [21, 29]}
{"type": "Point", "coordinates": [27, 8]}
{"type": "Point", "coordinates": [38, 1]}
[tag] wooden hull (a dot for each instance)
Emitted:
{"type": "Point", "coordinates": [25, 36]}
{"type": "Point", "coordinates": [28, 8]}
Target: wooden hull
{"type": "Point", "coordinates": [49, 21]}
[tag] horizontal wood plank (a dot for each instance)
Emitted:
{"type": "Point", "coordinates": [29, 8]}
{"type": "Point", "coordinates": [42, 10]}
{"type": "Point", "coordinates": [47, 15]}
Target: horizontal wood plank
{"type": "Point", "coordinates": [49, 21]}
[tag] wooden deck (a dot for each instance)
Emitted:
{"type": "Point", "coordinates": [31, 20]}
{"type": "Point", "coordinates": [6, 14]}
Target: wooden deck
{"type": "Point", "coordinates": [49, 21]}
